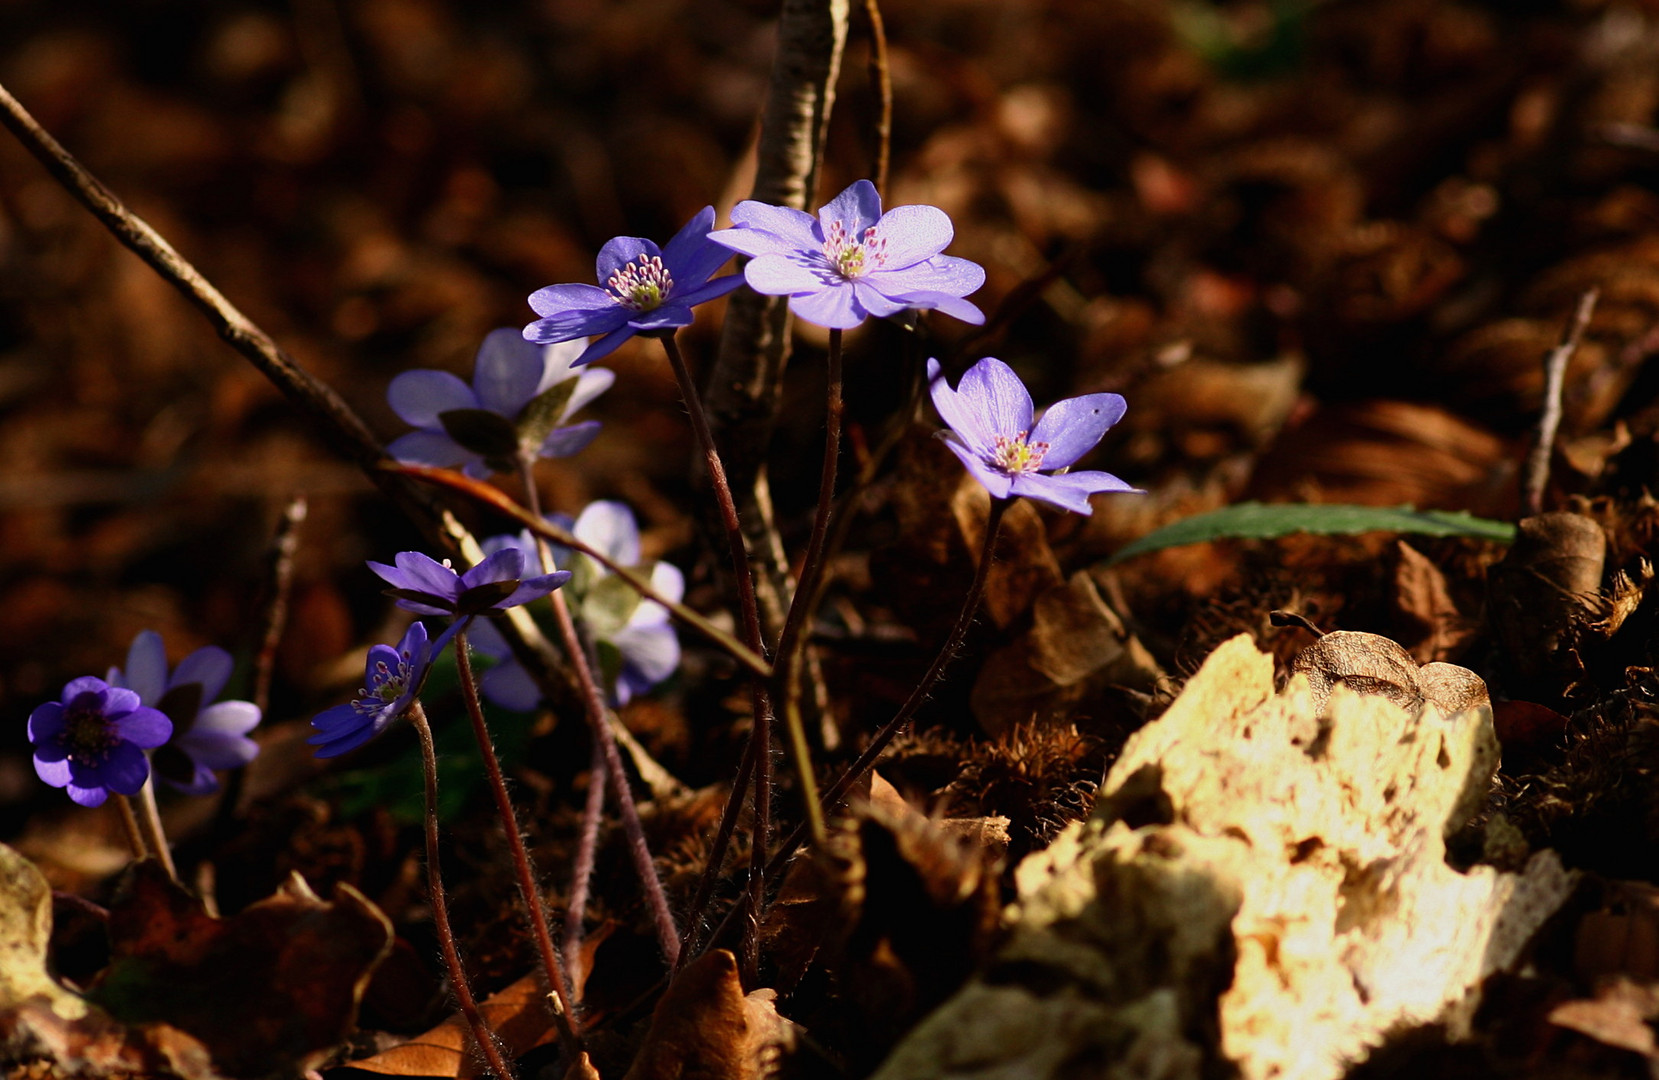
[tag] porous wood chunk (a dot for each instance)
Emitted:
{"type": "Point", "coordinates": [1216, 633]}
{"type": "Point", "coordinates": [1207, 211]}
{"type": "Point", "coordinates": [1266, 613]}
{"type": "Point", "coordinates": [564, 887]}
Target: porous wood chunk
{"type": "Point", "coordinates": [1263, 887]}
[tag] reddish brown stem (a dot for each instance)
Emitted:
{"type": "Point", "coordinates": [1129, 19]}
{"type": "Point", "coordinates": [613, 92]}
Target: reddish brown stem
{"type": "Point", "coordinates": [481, 1033]}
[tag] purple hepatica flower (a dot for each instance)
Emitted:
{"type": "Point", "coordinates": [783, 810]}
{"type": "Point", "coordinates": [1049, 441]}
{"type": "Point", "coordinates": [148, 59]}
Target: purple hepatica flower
{"type": "Point", "coordinates": [427, 587]}
{"type": "Point", "coordinates": [204, 739]}
{"type": "Point", "coordinates": [392, 680]}
{"type": "Point", "coordinates": [637, 645]}
{"type": "Point", "coordinates": [92, 740]}
{"type": "Point", "coordinates": [646, 290]}
{"type": "Point", "coordinates": [989, 415]}
{"type": "Point", "coordinates": [519, 400]}
{"type": "Point", "coordinates": [852, 260]}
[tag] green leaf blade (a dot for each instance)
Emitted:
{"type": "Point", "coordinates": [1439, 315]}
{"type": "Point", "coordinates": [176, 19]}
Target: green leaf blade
{"type": "Point", "coordinates": [1267, 521]}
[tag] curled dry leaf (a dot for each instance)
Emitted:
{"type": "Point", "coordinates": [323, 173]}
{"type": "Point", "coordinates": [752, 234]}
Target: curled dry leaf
{"type": "Point", "coordinates": [1539, 598]}
{"type": "Point", "coordinates": [1421, 596]}
{"type": "Point", "coordinates": [518, 1013]}
{"type": "Point", "coordinates": [270, 991]}
{"type": "Point", "coordinates": [1262, 892]}
{"type": "Point", "coordinates": [1372, 664]}
{"type": "Point", "coordinates": [706, 1027]}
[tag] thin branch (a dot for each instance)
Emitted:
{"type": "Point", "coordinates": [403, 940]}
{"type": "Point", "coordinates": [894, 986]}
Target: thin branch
{"type": "Point", "coordinates": [1555, 377]}
{"type": "Point", "coordinates": [881, 77]}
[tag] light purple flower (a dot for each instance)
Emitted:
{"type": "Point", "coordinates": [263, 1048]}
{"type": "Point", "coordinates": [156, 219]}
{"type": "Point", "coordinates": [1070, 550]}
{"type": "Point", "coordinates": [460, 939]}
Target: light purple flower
{"type": "Point", "coordinates": [392, 679]}
{"type": "Point", "coordinates": [852, 260]}
{"type": "Point", "coordinates": [520, 397]}
{"type": "Point", "coordinates": [989, 415]}
{"type": "Point", "coordinates": [637, 645]}
{"type": "Point", "coordinates": [204, 738]}
{"type": "Point", "coordinates": [92, 740]}
{"type": "Point", "coordinates": [643, 289]}
{"type": "Point", "coordinates": [427, 587]}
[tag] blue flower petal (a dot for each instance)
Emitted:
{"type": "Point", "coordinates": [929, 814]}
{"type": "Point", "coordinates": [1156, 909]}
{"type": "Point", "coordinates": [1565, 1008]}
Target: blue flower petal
{"type": "Point", "coordinates": [992, 388]}
{"type": "Point", "coordinates": [506, 373]}
{"type": "Point", "coordinates": [618, 252]}
{"type": "Point", "coordinates": [510, 686]}
{"type": "Point", "coordinates": [709, 290]}
{"type": "Point", "coordinates": [997, 483]}
{"type": "Point", "coordinates": [144, 727]}
{"type": "Point", "coordinates": [124, 771]}
{"type": "Point", "coordinates": [785, 275]}
{"type": "Point", "coordinates": [54, 771]}
{"type": "Point", "coordinates": [857, 208]}
{"type": "Point", "coordinates": [46, 722]}
{"type": "Point", "coordinates": [691, 256]}
{"type": "Point", "coordinates": [914, 233]}
{"type": "Point", "coordinates": [835, 306]}
{"type": "Point", "coordinates": [208, 667]}
{"type": "Point", "coordinates": [146, 671]}
{"type": "Point", "coordinates": [606, 345]}
{"type": "Point", "coordinates": [667, 317]}
{"type": "Point", "coordinates": [565, 441]}
{"type": "Point", "coordinates": [418, 397]}
{"type": "Point", "coordinates": [1072, 427]}
{"type": "Point", "coordinates": [609, 527]}
{"type": "Point", "coordinates": [970, 425]}
{"type": "Point", "coordinates": [940, 274]}
{"type": "Point", "coordinates": [431, 448]}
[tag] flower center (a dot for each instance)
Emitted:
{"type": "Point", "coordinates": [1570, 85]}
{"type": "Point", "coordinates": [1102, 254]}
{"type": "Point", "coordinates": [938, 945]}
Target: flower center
{"type": "Point", "coordinates": [385, 686]}
{"type": "Point", "coordinates": [1015, 456]}
{"type": "Point", "coordinates": [853, 258]}
{"type": "Point", "coordinates": [642, 284]}
{"type": "Point", "coordinates": [88, 734]}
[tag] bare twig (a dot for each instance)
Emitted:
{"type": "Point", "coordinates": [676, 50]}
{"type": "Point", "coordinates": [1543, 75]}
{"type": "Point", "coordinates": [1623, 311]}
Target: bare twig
{"type": "Point", "coordinates": [1537, 474]}
{"type": "Point", "coordinates": [881, 77]}
{"type": "Point", "coordinates": [281, 582]}
{"type": "Point", "coordinates": [746, 380]}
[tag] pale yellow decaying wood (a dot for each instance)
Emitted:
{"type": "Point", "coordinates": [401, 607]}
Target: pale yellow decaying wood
{"type": "Point", "coordinates": [1263, 881]}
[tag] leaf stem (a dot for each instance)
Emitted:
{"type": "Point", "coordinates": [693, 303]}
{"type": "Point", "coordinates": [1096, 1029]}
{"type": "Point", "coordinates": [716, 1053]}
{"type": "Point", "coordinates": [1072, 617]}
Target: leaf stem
{"type": "Point", "coordinates": [481, 1033]}
{"type": "Point", "coordinates": [525, 874]}
{"type": "Point", "coordinates": [129, 823]}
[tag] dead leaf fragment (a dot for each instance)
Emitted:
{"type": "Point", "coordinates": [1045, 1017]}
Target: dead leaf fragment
{"type": "Point", "coordinates": [706, 1028]}
{"type": "Point", "coordinates": [1365, 663]}
{"type": "Point", "coordinates": [518, 1013]}
{"type": "Point", "coordinates": [270, 991]}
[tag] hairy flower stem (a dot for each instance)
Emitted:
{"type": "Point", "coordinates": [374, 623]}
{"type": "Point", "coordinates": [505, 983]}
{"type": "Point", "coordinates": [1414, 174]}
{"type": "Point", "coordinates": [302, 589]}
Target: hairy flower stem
{"type": "Point", "coordinates": [760, 694]}
{"type": "Point", "coordinates": [129, 823]}
{"type": "Point", "coordinates": [481, 1033]}
{"type": "Point", "coordinates": [792, 641]}
{"type": "Point", "coordinates": [525, 874]}
{"type": "Point", "coordinates": [716, 856]}
{"type": "Point", "coordinates": [581, 870]}
{"type": "Point", "coordinates": [593, 703]}
{"type": "Point", "coordinates": [150, 822]}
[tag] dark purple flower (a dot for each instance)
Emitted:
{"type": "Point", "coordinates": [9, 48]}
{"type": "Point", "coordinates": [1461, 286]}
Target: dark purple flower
{"type": "Point", "coordinates": [204, 739]}
{"type": "Point", "coordinates": [646, 290]}
{"type": "Point", "coordinates": [92, 740]}
{"type": "Point", "coordinates": [427, 587]}
{"type": "Point", "coordinates": [392, 680]}
{"type": "Point", "coordinates": [852, 260]}
{"type": "Point", "coordinates": [520, 397]}
{"type": "Point", "coordinates": [989, 415]}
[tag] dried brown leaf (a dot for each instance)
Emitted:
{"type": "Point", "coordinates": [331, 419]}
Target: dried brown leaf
{"type": "Point", "coordinates": [518, 1013]}
{"type": "Point", "coordinates": [1365, 663]}
{"type": "Point", "coordinates": [706, 1028]}
{"type": "Point", "coordinates": [270, 991]}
